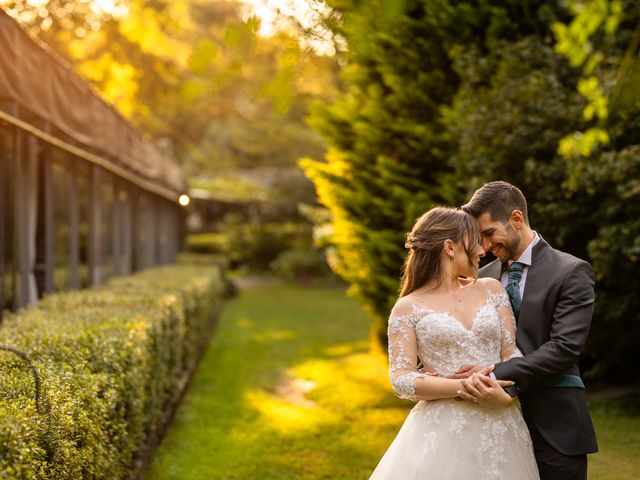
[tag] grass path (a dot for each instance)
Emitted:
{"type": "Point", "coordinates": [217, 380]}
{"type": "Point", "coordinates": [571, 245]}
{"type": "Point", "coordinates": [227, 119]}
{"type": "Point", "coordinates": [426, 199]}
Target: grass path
{"type": "Point", "coordinates": [289, 389]}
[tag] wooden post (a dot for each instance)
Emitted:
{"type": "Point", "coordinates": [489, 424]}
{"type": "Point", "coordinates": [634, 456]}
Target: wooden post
{"type": "Point", "coordinates": [25, 161]}
{"type": "Point", "coordinates": [95, 228]}
{"type": "Point", "coordinates": [4, 174]}
{"type": "Point", "coordinates": [116, 231]}
{"type": "Point", "coordinates": [173, 232]}
{"type": "Point", "coordinates": [127, 229]}
{"type": "Point", "coordinates": [47, 211]}
{"type": "Point", "coordinates": [151, 224]}
{"type": "Point", "coordinates": [74, 215]}
{"type": "Point", "coordinates": [136, 220]}
{"type": "Point", "coordinates": [163, 231]}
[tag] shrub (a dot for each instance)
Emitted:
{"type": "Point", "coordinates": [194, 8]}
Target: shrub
{"type": "Point", "coordinates": [301, 264]}
{"type": "Point", "coordinates": [257, 245]}
{"type": "Point", "coordinates": [111, 360]}
{"type": "Point", "coordinates": [210, 242]}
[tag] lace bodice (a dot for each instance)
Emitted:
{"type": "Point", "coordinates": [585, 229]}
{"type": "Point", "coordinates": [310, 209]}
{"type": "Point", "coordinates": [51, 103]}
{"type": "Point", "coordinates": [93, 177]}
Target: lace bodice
{"type": "Point", "coordinates": [443, 343]}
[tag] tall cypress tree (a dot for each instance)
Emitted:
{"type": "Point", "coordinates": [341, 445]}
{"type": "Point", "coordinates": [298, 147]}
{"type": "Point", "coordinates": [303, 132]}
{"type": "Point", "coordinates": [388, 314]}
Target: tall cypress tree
{"type": "Point", "coordinates": [389, 151]}
{"type": "Point", "coordinates": [386, 162]}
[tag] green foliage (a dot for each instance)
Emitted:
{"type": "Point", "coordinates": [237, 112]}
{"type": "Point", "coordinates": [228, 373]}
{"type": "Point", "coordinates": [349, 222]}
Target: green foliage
{"type": "Point", "coordinates": [194, 75]}
{"type": "Point", "coordinates": [210, 242]}
{"type": "Point", "coordinates": [574, 42]}
{"type": "Point", "coordinates": [390, 151]}
{"type": "Point", "coordinates": [243, 416]}
{"type": "Point", "coordinates": [302, 263]}
{"type": "Point", "coordinates": [110, 359]}
{"type": "Point", "coordinates": [257, 245]}
{"type": "Point", "coordinates": [492, 99]}
{"type": "Point", "coordinates": [246, 419]}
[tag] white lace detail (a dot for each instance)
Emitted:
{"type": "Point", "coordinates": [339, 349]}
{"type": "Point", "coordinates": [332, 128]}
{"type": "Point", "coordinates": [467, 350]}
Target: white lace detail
{"type": "Point", "coordinates": [488, 444]}
{"type": "Point", "coordinates": [402, 354]}
{"type": "Point", "coordinates": [500, 301]}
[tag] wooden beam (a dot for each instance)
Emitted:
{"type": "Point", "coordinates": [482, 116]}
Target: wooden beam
{"type": "Point", "coordinates": [106, 164]}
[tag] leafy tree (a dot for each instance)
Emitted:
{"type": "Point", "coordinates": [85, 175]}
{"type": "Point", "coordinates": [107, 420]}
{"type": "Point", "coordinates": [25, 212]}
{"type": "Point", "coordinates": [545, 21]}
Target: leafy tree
{"type": "Point", "coordinates": [193, 75]}
{"type": "Point", "coordinates": [603, 166]}
{"type": "Point", "coordinates": [390, 155]}
{"type": "Point", "coordinates": [386, 163]}
{"type": "Point", "coordinates": [496, 104]}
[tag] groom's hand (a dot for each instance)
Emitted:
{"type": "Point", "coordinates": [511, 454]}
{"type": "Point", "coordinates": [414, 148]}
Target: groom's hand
{"type": "Point", "coordinates": [465, 371]}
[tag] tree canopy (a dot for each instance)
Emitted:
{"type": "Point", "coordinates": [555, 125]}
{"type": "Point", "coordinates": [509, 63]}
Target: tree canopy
{"type": "Point", "coordinates": [443, 96]}
{"type": "Point", "coordinates": [192, 74]}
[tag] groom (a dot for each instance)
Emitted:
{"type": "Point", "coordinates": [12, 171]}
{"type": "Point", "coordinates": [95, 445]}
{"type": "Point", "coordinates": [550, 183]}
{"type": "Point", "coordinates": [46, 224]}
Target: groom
{"type": "Point", "coordinates": [552, 295]}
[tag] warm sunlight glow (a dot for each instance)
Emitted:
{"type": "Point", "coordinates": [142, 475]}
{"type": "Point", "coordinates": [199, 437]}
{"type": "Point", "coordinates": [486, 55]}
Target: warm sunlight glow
{"type": "Point", "coordinates": [37, 3]}
{"type": "Point", "coordinates": [99, 8]}
{"type": "Point", "coordinates": [110, 7]}
{"type": "Point", "coordinates": [184, 200]}
{"type": "Point", "coordinates": [276, 15]}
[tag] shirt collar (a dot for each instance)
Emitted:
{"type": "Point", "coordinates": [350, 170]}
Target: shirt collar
{"type": "Point", "coordinates": [525, 258]}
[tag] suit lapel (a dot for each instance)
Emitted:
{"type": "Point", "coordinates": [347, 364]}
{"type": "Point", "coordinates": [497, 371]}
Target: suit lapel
{"type": "Point", "coordinates": [492, 270]}
{"type": "Point", "coordinates": [536, 280]}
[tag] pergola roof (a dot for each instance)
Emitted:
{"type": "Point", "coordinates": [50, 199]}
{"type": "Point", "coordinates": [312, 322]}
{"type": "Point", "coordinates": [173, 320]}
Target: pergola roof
{"type": "Point", "coordinates": [72, 116]}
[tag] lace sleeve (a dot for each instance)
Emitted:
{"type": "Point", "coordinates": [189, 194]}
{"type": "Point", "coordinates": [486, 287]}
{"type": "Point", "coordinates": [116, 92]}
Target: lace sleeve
{"type": "Point", "coordinates": [403, 351]}
{"type": "Point", "coordinates": [508, 347]}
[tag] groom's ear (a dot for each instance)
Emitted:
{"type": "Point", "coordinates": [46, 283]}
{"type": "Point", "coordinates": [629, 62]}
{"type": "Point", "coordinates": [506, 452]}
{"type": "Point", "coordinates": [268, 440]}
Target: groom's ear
{"type": "Point", "coordinates": [517, 219]}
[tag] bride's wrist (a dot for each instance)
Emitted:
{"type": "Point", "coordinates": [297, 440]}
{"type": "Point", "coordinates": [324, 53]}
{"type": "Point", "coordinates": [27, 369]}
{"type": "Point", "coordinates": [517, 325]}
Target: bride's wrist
{"type": "Point", "coordinates": [506, 399]}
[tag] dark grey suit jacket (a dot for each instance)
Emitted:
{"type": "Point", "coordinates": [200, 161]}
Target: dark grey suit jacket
{"type": "Point", "coordinates": [552, 327]}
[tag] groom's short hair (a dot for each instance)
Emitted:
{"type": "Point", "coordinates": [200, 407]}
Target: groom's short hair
{"type": "Point", "coordinates": [499, 199]}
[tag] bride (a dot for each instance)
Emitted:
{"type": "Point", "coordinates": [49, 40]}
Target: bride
{"type": "Point", "coordinates": [446, 318]}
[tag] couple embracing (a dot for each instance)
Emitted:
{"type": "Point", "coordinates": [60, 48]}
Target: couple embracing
{"type": "Point", "coordinates": [499, 395]}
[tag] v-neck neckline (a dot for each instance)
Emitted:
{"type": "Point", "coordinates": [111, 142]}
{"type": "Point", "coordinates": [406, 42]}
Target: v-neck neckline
{"type": "Point", "coordinates": [452, 316]}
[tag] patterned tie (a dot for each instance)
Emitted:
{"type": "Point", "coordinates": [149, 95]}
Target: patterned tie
{"type": "Point", "coordinates": [513, 286]}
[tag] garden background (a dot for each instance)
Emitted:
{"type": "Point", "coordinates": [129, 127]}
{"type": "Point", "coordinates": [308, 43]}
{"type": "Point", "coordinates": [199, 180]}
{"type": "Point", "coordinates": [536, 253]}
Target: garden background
{"type": "Point", "coordinates": [313, 134]}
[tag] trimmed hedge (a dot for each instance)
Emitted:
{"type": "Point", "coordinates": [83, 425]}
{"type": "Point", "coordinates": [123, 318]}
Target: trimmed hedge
{"type": "Point", "coordinates": [111, 360]}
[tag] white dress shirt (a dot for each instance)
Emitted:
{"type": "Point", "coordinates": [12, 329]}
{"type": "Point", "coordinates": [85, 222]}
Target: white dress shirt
{"type": "Point", "coordinates": [525, 259]}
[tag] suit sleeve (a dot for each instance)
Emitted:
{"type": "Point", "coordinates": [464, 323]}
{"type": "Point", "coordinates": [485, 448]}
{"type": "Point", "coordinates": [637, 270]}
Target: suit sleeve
{"type": "Point", "coordinates": [569, 330]}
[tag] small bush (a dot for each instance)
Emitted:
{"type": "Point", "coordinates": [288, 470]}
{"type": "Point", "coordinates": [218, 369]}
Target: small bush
{"type": "Point", "coordinates": [110, 360]}
{"type": "Point", "coordinates": [257, 245]}
{"type": "Point", "coordinates": [210, 242]}
{"type": "Point", "coordinates": [302, 264]}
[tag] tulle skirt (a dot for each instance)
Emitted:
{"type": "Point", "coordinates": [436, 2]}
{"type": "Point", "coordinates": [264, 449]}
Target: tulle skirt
{"type": "Point", "coordinates": [456, 440]}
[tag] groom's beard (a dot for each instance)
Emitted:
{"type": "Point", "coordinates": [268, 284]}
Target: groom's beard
{"type": "Point", "coordinates": [512, 246]}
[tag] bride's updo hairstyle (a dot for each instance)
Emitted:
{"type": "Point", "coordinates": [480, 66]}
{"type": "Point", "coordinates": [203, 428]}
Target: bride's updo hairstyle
{"type": "Point", "coordinates": [426, 240]}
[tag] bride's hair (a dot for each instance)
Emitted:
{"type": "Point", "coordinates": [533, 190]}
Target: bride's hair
{"type": "Point", "coordinates": [426, 240]}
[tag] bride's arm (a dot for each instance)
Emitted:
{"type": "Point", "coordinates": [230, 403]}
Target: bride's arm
{"type": "Point", "coordinates": [508, 347]}
{"type": "Point", "coordinates": [403, 360]}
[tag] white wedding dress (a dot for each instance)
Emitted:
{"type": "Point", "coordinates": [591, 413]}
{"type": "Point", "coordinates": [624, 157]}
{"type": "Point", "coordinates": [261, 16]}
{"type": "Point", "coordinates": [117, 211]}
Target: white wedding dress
{"type": "Point", "coordinates": [455, 439]}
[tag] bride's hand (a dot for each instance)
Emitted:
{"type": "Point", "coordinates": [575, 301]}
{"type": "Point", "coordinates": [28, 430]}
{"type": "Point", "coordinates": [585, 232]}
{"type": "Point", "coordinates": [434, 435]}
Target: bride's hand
{"type": "Point", "coordinates": [485, 391]}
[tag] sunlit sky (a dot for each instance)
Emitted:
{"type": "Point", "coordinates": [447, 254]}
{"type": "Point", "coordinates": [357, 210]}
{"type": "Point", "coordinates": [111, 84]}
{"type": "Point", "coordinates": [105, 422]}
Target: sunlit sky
{"type": "Point", "coordinates": [271, 13]}
{"type": "Point", "coordinates": [306, 12]}
{"type": "Point", "coordinates": [267, 11]}
{"type": "Point", "coordinates": [110, 7]}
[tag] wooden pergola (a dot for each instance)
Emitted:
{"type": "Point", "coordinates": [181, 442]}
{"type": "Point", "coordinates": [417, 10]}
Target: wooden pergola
{"type": "Point", "coordinates": [82, 195]}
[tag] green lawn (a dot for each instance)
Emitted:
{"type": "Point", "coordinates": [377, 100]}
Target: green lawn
{"type": "Point", "coordinates": [247, 416]}
{"type": "Point", "coordinates": [618, 428]}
